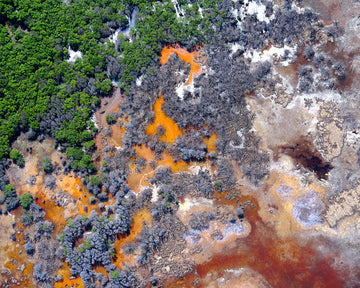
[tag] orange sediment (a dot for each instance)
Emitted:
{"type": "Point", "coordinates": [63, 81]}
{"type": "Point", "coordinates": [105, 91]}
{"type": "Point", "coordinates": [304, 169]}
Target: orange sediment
{"type": "Point", "coordinates": [166, 160]}
{"type": "Point", "coordinates": [172, 131]}
{"type": "Point", "coordinates": [57, 214]}
{"type": "Point", "coordinates": [65, 272]}
{"type": "Point", "coordinates": [140, 217]}
{"type": "Point", "coordinates": [117, 133]}
{"type": "Point", "coordinates": [188, 57]}
{"type": "Point", "coordinates": [101, 269]}
{"type": "Point", "coordinates": [14, 255]}
{"type": "Point", "coordinates": [138, 180]}
{"type": "Point", "coordinates": [210, 143]}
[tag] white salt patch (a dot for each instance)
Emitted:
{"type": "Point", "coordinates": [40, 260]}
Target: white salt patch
{"type": "Point", "coordinates": [257, 9]}
{"type": "Point", "coordinates": [307, 209]}
{"type": "Point", "coordinates": [139, 81]}
{"type": "Point", "coordinates": [114, 83]}
{"type": "Point", "coordinates": [296, 8]}
{"type": "Point", "coordinates": [73, 55]}
{"type": "Point", "coordinates": [155, 194]}
{"type": "Point", "coordinates": [194, 169]}
{"type": "Point", "coordinates": [115, 36]}
{"type": "Point", "coordinates": [242, 138]}
{"type": "Point", "coordinates": [180, 73]}
{"type": "Point", "coordinates": [237, 272]}
{"type": "Point", "coordinates": [93, 119]}
{"type": "Point", "coordinates": [285, 164]}
{"type": "Point", "coordinates": [234, 47]}
{"type": "Point", "coordinates": [180, 91]}
{"type": "Point", "coordinates": [271, 54]}
{"type": "Point", "coordinates": [177, 7]}
{"type": "Point", "coordinates": [235, 14]}
{"type": "Point", "coordinates": [352, 138]}
{"type": "Point", "coordinates": [190, 203]}
{"type": "Point", "coordinates": [237, 228]}
{"type": "Point", "coordinates": [252, 8]}
{"type": "Point", "coordinates": [200, 12]}
{"type": "Point", "coordinates": [182, 87]}
{"type": "Point", "coordinates": [285, 82]}
{"type": "Point", "coordinates": [325, 96]}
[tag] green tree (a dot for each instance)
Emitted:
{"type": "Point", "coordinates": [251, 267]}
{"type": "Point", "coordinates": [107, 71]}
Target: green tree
{"type": "Point", "coordinates": [110, 119]}
{"type": "Point", "coordinates": [47, 165]}
{"type": "Point", "coordinates": [26, 200]}
{"type": "Point", "coordinates": [9, 191]}
{"type": "Point", "coordinates": [115, 274]}
{"type": "Point", "coordinates": [89, 146]}
{"type": "Point", "coordinates": [16, 156]}
{"type": "Point", "coordinates": [95, 180]}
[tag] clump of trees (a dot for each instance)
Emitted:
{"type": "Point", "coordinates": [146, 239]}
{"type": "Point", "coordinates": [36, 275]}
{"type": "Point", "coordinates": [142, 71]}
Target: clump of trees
{"type": "Point", "coordinates": [26, 200]}
{"type": "Point", "coordinates": [16, 156]}
{"type": "Point", "coordinates": [110, 119]}
{"type": "Point", "coordinates": [10, 198]}
{"type": "Point", "coordinates": [98, 246]}
{"type": "Point", "coordinates": [50, 95]}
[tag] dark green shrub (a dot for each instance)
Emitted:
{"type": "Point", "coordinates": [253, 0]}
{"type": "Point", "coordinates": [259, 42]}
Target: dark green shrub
{"type": "Point", "coordinates": [16, 156]}
{"type": "Point", "coordinates": [47, 165]}
{"type": "Point", "coordinates": [26, 200]}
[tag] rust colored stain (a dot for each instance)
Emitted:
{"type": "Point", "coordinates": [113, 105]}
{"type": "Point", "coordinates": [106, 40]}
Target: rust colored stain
{"type": "Point", "coordinates": [282, 262]}
{"type": "Point", "coordinates": [210, 143]}
{"type": "Point", "coordinates": [117, 133]}
{"type": "Point", "coordinates": [65, 272]}
{"type": "Point", "coordinates": [138, 180]}
{"type": "Point", "coordinates": [14, 255]}
{"type": "Point", "coordinates": [172, 131]}
{"type": "Point", "coordinates": [55, 214]}
{"type": "Point", "coordinates": [140, 217]}
{"type": "Point", "coordinates": [166, 159]}
{"type": "Point", "coordinates": [58, 215]}
{"type": "Point", "coordinates": [189, 57]}
{"type": "Point", "coordinates": [101, 269]}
